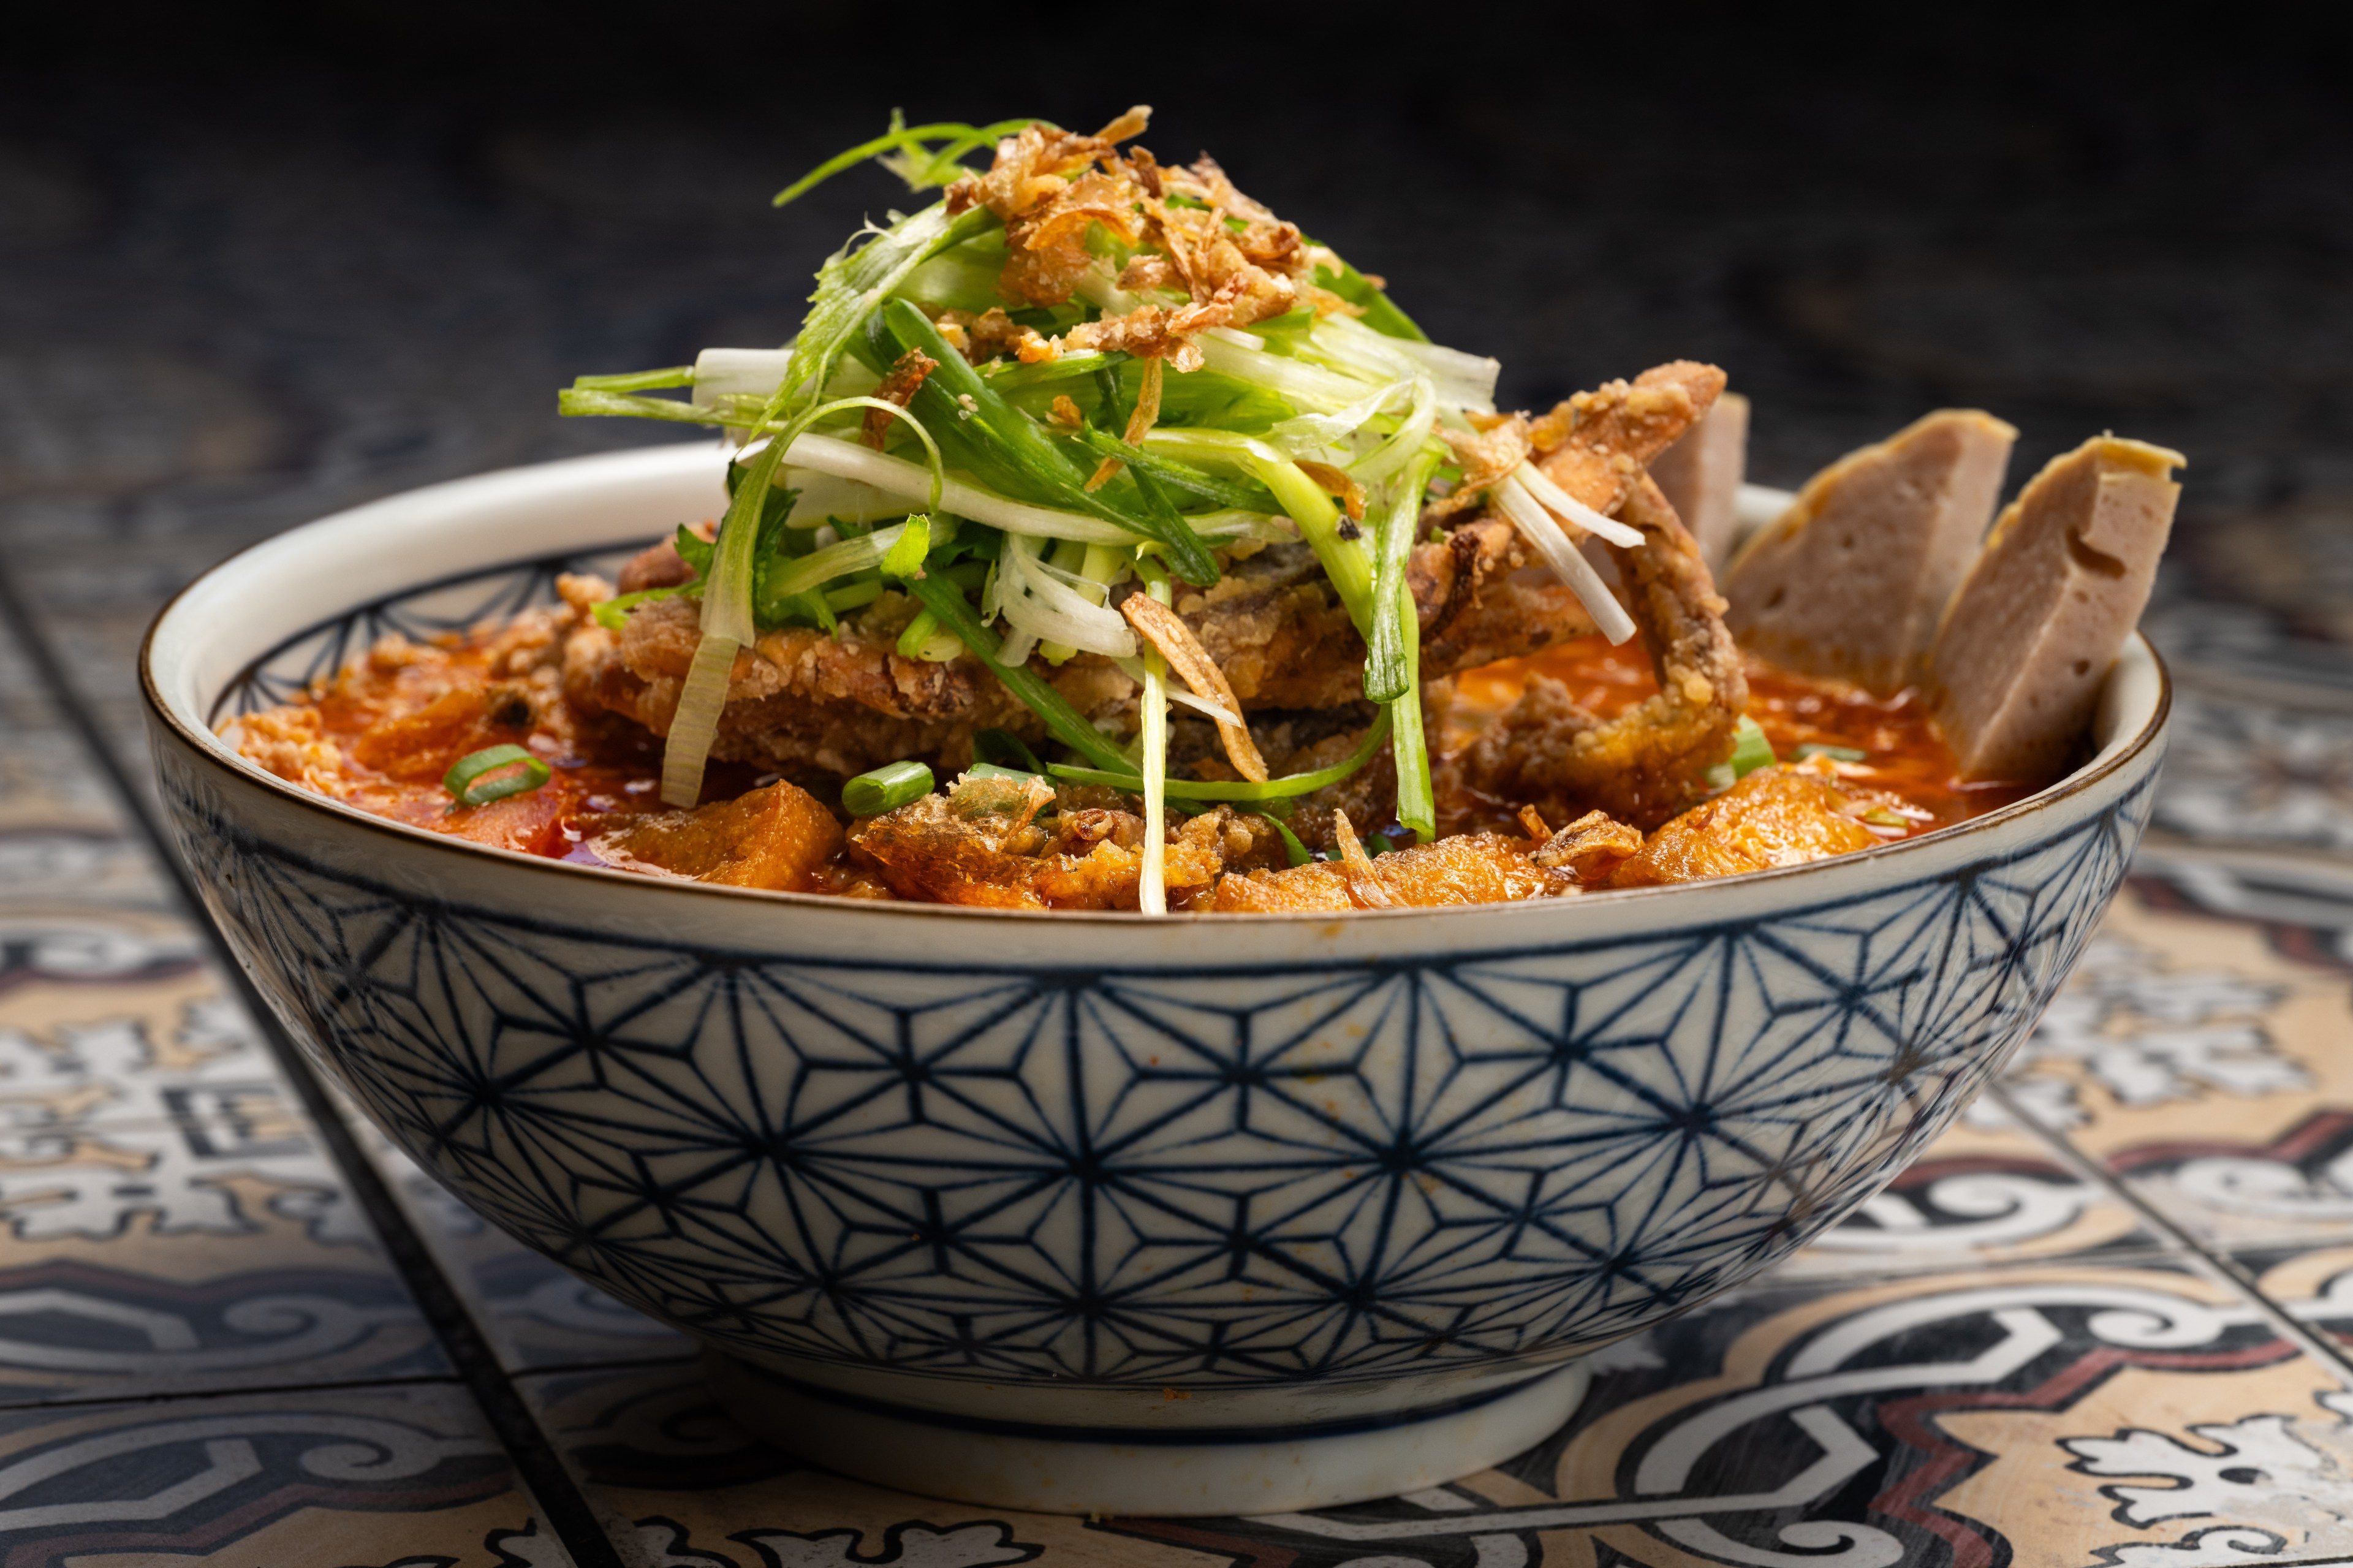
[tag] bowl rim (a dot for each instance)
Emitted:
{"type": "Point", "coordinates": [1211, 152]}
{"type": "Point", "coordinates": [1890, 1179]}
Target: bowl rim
{"type": "Point", "coordinates": [208, 745]}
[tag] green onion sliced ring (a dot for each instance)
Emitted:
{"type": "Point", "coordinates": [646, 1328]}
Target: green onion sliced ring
{"type": "Point", "coordinates": [886, 788]}
{"type": "Point", "coordinates": [905, 556]}
{"type": "Point", "coordinates": [465, 778]}
{"type": "Point", "coordinates": [993, 771]}
{"type": "Point", "coordinates": [1835, 754]}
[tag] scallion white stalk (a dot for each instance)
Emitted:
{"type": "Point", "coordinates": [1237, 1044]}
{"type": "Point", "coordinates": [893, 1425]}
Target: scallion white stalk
{"type": "Point", "coordinates": [739, 372]}
{"type": "Point", "coordinates": [1302, 385]}
{"type": "Point", "coordinates": [897, 475]}
{"type": "Point", "coordinates": [1463, 380]}
{"type": "Point", "coordinates": [1536, 526]}
{"type": "Point", "coordinates": [819, 567]}
{"type": "Point", "coordinates": [1404, 444]}
{"type": "Point", "coordinates": [1152, 887]}
{"type": "Point", "coordinates": [824, 496]}
{"type": "Point", "coordinates": [694, 725]}
{"type": "Point", "coordinates": [1308, 434]}
{"type": "Point", "coordinates": [1034, 599]}
{"type": "Point", "coordinates": [1208, 707]}
{"type": "Point", "coordinates": [1560, 504]}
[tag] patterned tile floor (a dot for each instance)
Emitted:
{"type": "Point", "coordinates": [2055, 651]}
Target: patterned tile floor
{"type": "Point", "coordinates": [2108, 1320]}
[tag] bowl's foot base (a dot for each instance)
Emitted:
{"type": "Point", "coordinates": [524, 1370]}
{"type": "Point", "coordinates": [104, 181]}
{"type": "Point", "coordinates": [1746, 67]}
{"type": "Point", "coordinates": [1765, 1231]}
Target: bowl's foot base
{"type": "Point", "coordinates": [1070, 1469]}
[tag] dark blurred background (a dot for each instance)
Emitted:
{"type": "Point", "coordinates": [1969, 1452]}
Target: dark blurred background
{"type": "Point", "coordinates": [260, 263]}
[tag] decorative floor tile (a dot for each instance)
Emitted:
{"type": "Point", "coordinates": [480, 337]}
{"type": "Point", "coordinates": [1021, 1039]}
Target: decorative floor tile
{"type": "Point", "coordinates": [111, 1017]}
{"type": "Point", "coordinates": [204, 1253]}
{"type": "Point", "coordinates": [2256, 773]}
{"type": "Point", "coordinates": [90, 865]}
{"type": "Point", "coordinates": [2208, 1071]}
{"type": "Point", "coordinates": [395, 1478]}
{"type": "Point", "coordinates": [2301, 903]}
{"type": "Point", "coordinates": [2057, 1416]}
{"type": "Point", "coordinates": [2314, 1287]}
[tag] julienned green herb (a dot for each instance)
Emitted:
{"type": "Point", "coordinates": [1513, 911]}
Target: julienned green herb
{"type": "Point", "coordinates": [1124, 417]}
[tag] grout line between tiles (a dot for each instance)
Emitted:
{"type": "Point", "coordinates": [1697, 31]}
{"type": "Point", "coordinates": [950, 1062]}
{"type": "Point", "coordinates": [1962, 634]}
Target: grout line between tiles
{"type": "Point", "coordinates": [2311, 1342]}
{"type": "Point", "coordinates": [182, 1395]}
{"type": "Point", "coordinates": [536, 1460]}
{"type": "Point", "coordinates": [332, 1385]}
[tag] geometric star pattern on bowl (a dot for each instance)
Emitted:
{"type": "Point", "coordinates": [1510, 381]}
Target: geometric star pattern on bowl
{"type": "Point", "coordinates": [1383, 1167]}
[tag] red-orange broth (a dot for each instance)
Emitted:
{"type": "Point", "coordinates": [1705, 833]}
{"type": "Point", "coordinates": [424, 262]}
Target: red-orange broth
{"type": "Point", "coordinates": [1903, 752]}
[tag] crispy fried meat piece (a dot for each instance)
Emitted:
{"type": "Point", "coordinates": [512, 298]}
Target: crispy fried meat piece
{"type": "Point", "coordinates": [800, 701]}
{"type": "Point", "coordinates": [1468, 868]}
{"type": "Point", "coordinates": [777, 837]}
{"type": "Point", "coordinates": [1651, 762]}
{"type": "Point", "coordinates": [1018, 843]}
{"type": "Point", "coordinates": [1477, 602]}
{"type": "Point", "coordinates": [805, 704]}
{"type": "Point", "coordinates": [655, 566]}
{"type": "Point", "coordinates": [1780, 816]}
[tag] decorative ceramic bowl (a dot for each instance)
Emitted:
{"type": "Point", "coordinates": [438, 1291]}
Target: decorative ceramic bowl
{"type": "Point", "coordinates": [1090, 1212]}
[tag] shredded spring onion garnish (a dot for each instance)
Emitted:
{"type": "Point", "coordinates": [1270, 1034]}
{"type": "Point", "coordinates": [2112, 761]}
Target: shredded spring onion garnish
{"type": "Point", "coordinates": [908, 150]}
{"type": "Point", "coordinates": [1042, 478]}
{"type": "Point", "coordinates": [1294, 850]}
{"type": "Point", "coordinates": [1289, 786]}
{"type": "Point", "coordinates": [1152, 888]}
{"type": "Point", "coordinates": [886, 788]}
{"type": "Point", "coordinates": [466, 778]}
{"type": "Point", "coordinates": [728, 622]}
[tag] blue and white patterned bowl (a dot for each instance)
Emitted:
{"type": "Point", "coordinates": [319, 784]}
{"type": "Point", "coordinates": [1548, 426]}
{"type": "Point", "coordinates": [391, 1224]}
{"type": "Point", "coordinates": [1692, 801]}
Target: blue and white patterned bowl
{"type": "Point", "coordinates": [1097, 1212]}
